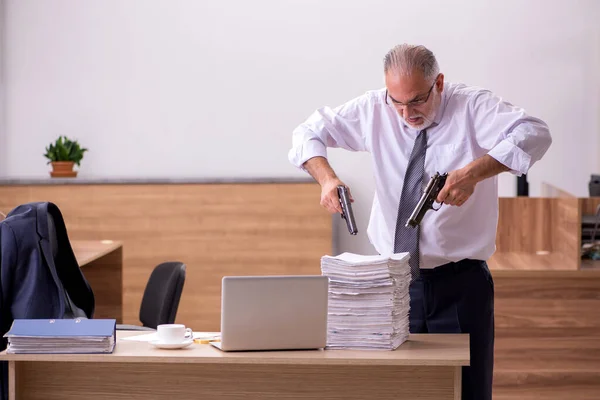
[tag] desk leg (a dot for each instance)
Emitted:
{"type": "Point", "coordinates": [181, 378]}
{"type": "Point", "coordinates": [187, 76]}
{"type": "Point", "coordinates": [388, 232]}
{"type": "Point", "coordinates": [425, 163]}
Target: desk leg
{"type": "Point", "coordinates": [105, 276]}
{"type": "Point", "coordinates": [12, 381]}
{"type": "Point", "coordinates": [457, 383]}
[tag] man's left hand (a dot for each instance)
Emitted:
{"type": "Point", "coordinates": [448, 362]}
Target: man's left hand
{"type": "Point", "coordinates": [458, 188]}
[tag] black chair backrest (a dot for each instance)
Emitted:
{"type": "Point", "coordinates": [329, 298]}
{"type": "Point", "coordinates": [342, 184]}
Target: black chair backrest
{"type": "Point", "coordinates": [162, 294]}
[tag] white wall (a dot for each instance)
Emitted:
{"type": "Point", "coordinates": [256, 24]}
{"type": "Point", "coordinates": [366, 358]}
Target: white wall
{"type": "Point", "coordinates": [191, 88]}
{"type": "Point", "coordinates": [3, 135]}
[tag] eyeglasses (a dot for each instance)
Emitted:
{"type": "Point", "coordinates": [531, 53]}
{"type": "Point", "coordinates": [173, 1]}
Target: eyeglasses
{"type": "Point", "coordinates": [414, 103]}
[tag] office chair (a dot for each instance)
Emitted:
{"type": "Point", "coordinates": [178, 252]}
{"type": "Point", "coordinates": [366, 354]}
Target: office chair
{"type": "Point", "coordinates": [161, 297]}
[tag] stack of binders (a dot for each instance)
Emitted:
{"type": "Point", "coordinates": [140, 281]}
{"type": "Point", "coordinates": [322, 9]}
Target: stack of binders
{"type": "Point", "coordinates": [369, 301]}
{"type": "Point", "coordinates": [52, 336]}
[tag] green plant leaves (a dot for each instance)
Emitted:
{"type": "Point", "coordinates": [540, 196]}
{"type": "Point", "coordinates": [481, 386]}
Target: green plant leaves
{"type": "Point", "coordinates": [64, 149]}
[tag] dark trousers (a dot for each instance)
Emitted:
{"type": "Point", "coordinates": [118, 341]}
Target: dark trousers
{"type": "Point", "coordinates": [459, 298]}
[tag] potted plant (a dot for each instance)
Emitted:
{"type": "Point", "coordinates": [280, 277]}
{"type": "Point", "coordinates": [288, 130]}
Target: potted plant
{"type": "Point", "coordinates": [63, 154]}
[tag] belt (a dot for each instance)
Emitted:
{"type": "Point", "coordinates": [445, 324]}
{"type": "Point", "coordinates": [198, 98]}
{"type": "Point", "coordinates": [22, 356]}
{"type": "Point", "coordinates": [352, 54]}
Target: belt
{"type": "Point", "coordinates": [452, 268]}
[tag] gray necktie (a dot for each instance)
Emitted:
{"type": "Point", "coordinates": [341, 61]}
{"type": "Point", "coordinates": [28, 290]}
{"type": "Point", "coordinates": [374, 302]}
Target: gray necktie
{"type": "Point", "coordinates": [406, 238]}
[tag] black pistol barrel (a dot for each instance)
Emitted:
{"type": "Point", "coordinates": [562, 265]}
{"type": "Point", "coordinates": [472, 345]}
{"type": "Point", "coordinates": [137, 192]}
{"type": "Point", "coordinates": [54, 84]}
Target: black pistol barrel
{"type": "Point", "coordinates": [419, 212]}
{"type": "Point", "coordinates": [347, 213]}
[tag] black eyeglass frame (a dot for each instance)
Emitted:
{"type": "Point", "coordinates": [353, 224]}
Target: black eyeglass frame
{"type": "Point", "coordinates": [411, 103]}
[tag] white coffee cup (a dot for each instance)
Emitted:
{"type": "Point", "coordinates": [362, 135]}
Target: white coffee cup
{"type": "Point", "coordinates": [173, 333]}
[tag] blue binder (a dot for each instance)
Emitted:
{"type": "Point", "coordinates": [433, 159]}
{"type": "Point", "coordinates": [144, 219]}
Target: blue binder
{"type": "Point", "coordinates": [62, 328]}
{"type": "Point", "coordinates": [51, 336]}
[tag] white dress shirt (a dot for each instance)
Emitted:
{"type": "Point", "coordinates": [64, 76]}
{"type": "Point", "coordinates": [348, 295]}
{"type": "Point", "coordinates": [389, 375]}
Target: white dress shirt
{"type": "Point", "coordinates": [470, 123]}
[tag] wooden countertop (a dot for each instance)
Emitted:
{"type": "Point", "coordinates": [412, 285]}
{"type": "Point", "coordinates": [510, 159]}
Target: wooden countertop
{"type": "Point", "coordinates": [87, 251]}
{"type": "Point", "coordinates": [98, 180]}
{"type": "Point", "coordinates": [524, 264]}
{"type": "Point", "coordinates": [424, 349]}
{"type": "Point", "coordinates": [514, 261]}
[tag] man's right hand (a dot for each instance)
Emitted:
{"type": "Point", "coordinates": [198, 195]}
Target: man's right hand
{"type": "Point", "coordinates": [329, 195]}
{"type": "Point", "coordinates": [319, 168]}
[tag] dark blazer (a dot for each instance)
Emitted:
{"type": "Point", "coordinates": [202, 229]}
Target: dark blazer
{"type": "Point", "coordinates": [39, 274]}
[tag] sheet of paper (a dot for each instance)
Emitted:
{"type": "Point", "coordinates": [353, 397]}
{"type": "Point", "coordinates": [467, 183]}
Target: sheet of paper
{"type": "Point", "coordinates": [152, 336]}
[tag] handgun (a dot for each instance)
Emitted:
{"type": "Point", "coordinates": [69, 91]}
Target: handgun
{"type": "Point", "coordinates": [347, 213]}
{"type": "Point", "coordinates": [435, 184]}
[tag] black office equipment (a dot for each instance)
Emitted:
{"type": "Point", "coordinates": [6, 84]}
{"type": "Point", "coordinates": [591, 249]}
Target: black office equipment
{"type": "Point", "coordinates": [594, 185]}
{"type": "Point", "coordinates": [522, 185]}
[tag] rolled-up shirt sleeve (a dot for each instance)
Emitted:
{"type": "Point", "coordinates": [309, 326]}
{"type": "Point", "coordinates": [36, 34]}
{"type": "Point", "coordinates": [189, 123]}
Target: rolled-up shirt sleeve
{"type": "Point", "coordinates": [510, 135]}
{"type": "Point", "coordinates": [340, 127]}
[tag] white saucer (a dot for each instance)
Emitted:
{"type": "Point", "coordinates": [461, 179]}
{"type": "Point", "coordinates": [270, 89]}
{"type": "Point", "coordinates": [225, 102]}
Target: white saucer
{"type": "Point", "coordinates": [163, 345]}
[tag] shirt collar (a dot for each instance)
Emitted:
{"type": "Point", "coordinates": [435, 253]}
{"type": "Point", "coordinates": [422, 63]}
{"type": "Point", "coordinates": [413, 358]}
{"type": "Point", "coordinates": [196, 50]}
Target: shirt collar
{"type": "Point", "coordinates": [441, 108]}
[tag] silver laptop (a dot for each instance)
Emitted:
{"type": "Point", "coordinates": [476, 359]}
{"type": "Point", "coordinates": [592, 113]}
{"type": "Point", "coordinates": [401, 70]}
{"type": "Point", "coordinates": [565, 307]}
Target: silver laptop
{"type": "Point", "coordinates": [273, 313]}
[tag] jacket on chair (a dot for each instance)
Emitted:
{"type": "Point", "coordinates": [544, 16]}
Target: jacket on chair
{"type": "Point", "coordinates": [39, 274]}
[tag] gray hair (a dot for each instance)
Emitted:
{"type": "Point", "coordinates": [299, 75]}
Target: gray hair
{"type": "Point", "coordinates": [406, 58]}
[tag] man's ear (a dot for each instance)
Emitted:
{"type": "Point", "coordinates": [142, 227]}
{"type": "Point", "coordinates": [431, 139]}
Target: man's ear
{"type": "Point", "coordinates": [440, 83]}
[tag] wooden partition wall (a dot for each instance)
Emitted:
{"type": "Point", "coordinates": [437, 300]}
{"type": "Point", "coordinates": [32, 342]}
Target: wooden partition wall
{"type": "Point", "coordinates": [546, 300]}
{"type": "Point", "coordinates": [541, 232]}
{"type": "Point", "coordinates": [215, 229]}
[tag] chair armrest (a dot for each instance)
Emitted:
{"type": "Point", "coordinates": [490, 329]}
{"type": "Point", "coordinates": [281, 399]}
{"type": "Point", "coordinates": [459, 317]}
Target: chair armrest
{"type": "Point", "coordinates": [125, 327]}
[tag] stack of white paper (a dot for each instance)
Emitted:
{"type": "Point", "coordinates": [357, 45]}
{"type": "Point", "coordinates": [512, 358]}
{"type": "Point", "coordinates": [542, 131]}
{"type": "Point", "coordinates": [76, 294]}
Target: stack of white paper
{"type": "Point", "coordinates": [369, 301]}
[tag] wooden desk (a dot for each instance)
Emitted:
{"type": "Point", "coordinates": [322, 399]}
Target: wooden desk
{"type": "Point", "coordinates": [546, 300]}
{"type": "Point", "coordinates": [547, 342]}
{"type": "Point", "coordinates": [425, 367]}
{"type": "Point", "coordinates": [520, 265]}
{"type": "Point", "coordinates": [102, 265]}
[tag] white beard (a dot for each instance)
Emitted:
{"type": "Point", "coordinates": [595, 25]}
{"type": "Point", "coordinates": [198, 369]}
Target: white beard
{"type": "Point", "coordinates": [427, 121]}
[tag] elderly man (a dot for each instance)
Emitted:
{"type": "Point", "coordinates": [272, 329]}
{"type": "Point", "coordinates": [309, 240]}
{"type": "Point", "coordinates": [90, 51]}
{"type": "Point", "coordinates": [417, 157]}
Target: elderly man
{"type": "Point", "coordinates": [414, 127]}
